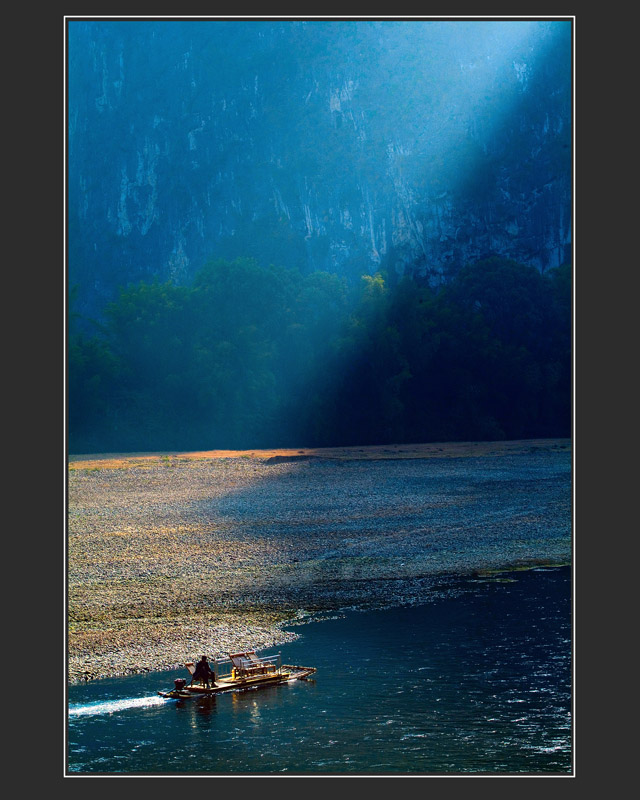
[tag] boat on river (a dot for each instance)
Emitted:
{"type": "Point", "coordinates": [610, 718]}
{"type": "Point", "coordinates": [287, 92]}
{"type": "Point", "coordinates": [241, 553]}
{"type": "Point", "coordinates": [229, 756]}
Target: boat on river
{"type": "Point", "coordinates": [238, 672]}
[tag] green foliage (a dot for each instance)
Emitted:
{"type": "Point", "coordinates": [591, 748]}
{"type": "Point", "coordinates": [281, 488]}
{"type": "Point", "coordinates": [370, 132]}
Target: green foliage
{"type": "Point", "coordinates": [248, 356]}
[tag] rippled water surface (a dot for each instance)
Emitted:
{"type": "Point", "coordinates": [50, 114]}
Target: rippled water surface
{"type": "Point", "coordinates": [477, 681]}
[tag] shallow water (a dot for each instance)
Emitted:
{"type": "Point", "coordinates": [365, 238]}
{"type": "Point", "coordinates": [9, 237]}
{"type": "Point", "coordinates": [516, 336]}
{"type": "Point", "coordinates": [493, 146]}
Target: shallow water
{"type": "Point", "coordinates": [476, 681]}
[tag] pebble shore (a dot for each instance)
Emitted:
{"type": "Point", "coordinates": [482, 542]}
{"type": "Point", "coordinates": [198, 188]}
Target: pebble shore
{"type": "Point", "coordinates": [175, 555]}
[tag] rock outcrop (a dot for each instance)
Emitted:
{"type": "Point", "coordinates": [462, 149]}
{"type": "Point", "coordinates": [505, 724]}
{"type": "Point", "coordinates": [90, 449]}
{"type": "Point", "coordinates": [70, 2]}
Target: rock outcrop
{"type": "Point", "coordinates": [413, 147]}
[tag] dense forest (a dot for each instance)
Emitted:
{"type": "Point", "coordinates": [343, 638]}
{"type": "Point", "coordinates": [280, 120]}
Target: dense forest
{"type": "Point", "coordinates": [245, 356]}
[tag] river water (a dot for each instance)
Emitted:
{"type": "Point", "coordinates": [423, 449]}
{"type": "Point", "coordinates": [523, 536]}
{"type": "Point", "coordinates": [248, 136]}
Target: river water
{"type": "Point", "coordinates": [478, 681]}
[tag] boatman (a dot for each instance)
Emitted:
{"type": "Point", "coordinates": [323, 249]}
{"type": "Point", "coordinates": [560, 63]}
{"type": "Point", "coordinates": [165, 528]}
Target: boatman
{"type": "Point", "coordinates": [202, 673]}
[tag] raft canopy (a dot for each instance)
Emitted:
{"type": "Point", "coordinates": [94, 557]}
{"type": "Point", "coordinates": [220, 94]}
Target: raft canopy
{"type": "Point", "coordinates": [248, 663]}
{"type": "Point", "coordinates": [241, 665]}
{"type": "Point", "coordinates": [238, 672]}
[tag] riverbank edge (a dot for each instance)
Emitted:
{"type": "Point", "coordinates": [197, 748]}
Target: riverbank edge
{"type": "Point", "coordinates": [246, 630]}
{"type": "Point", "coordinates": [354, 453]}
{"type": "Point", "coordinates": [275, 635]}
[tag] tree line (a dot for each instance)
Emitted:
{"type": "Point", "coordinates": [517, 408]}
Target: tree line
{"type": "Point", "coordinates": [250, 357]}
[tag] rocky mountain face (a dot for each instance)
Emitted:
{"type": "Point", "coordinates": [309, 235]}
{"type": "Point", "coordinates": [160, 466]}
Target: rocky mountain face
{"type": "Point", "coordinates": [352, 147]}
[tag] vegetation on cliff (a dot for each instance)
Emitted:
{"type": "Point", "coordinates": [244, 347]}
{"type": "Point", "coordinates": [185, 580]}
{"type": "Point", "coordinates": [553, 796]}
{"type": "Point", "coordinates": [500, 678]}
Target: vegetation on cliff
{"type": "Point", "coordinates": [247, 356]}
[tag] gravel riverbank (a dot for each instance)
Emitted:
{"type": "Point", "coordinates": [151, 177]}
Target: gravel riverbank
{"type": "Point", "coordinates": [173, 555]}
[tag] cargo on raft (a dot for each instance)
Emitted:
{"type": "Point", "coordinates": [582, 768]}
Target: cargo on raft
{"type": "Point", "coordinates": [238, 672]}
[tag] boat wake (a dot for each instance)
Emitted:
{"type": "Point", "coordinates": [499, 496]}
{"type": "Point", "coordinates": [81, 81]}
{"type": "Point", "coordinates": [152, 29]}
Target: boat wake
{"type": "Point", "coordinates": [113, 706]}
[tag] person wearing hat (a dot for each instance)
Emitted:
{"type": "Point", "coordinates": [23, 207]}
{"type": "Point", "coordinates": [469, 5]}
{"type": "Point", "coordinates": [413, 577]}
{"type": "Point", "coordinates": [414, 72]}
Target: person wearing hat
{"type": "Point", "coordinates": [202, 673]}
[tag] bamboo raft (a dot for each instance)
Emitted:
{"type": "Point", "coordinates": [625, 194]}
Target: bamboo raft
{"type": "Point", "coordinates": [241, 671]}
